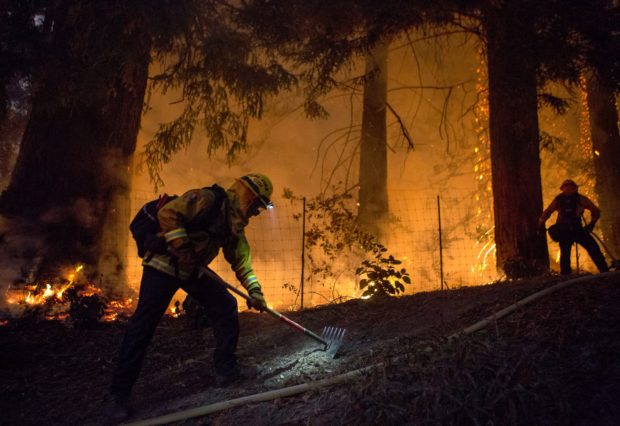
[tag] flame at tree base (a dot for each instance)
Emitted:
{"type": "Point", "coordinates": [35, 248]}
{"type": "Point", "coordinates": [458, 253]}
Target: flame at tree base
{"type": "Point", "coordinates": [69, 297]}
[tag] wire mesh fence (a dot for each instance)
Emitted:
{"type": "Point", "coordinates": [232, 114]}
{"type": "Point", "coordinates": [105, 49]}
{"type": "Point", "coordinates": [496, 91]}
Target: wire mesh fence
{"type": "Point", "coordinates": [411, 234]}
{"type": "Point", "coordinates": [438, 239]}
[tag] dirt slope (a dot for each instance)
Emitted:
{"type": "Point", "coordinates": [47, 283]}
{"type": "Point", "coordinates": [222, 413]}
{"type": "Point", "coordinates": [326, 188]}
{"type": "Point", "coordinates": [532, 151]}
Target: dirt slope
{"type": "Point", "coordinates": [553, 362]}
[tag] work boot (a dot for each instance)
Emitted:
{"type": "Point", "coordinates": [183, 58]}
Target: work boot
{"type": "Point", "coordinates": [238, 373]}
{"type": "Point", "coordinates": [116, 409]}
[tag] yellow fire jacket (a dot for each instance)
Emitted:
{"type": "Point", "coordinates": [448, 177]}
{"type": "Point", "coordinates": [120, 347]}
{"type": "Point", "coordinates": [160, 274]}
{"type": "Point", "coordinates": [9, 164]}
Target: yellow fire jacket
{"type": "Point", "coordinates": [180, 221]}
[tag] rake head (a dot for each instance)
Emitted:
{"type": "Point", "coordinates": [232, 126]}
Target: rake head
{"type": "Point", "coordinates": [333, 337]}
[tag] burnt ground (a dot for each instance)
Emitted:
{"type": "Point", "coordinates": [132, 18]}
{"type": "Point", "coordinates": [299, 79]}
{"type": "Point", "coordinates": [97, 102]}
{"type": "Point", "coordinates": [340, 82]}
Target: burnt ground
{"type": "Point", "coordinates": [553, 362]}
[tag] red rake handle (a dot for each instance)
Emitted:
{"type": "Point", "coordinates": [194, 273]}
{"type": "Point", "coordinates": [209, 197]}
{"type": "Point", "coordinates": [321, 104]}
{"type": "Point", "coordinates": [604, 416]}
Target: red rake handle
{"type": "Point", "coordinates": [281, 317]}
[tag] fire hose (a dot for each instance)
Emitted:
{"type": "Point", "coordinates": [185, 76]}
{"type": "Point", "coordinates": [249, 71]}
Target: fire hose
{"type": "Point", "coordinates": [355, 374]}
{"type": "Point", "coordinates": [615, 262]}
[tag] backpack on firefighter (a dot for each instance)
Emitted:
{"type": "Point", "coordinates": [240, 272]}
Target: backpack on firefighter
{"type": "Point", "coordinates": [145, 227]}
{"type": "Point", "coordinates": [569, 220]}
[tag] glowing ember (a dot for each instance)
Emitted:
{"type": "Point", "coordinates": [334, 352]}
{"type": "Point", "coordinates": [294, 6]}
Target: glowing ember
{"type": "Point", "coordinates": [482, 170]}
{"type": "Point", "coordinates": [487, 250]}
{"type": "Point", "coordinates": [57, 317]}
{"type": "Point", "coordinates": [174, 310]}
{"type": "Point", "coordinates": [116, 307]}
{"type": "Point", "coordinates": [586, 180]}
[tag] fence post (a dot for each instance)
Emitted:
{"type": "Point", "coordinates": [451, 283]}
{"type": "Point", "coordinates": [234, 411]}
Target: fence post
{"type": "Point", "coordinates": [440, 242]}
{"type": "Point", "coordinates": [303, 251]}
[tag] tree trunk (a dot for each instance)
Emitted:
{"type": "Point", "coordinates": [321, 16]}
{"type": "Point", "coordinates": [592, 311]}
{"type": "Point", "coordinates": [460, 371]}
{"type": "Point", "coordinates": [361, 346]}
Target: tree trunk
{"type": "Point", "coordinates": [373, 197]}
{"type": "Point", "coordinates": [606, 147]}
{"type": "Point", "coordinates": [11, 131]}
{"type": "Point", "coordinates": [73, 167]}
{"type": "Point", "coordinates": [515, 159]}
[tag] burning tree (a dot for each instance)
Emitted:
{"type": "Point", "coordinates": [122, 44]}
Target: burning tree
{"type": "Point", "coordinates": [600, 22]}
{"type": "Point", "coordinates": [529, 44]}
{"type": "Point", "coordinates": [86, 99]}
{"type": "Point", "coordinates": [606, 149]}
{"type": "Point", "coordinates": [514, 136]}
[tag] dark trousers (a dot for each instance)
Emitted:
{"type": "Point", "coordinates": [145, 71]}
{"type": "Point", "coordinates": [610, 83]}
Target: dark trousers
{"type": "Point", "coordinates": [583, 238]}
{"type": "Point", "coordinates": [156, 291]}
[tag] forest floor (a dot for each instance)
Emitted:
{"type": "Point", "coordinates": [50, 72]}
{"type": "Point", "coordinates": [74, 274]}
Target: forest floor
{"type": "Point", "coordinates": [553, 362]}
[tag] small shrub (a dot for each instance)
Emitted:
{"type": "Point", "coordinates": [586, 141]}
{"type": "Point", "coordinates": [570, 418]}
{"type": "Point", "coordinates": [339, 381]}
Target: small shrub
{"type": "Point", "coordinates": [381, 274]}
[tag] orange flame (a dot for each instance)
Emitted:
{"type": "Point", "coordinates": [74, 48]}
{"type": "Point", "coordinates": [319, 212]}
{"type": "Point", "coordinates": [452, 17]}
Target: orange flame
{"type": "Point", "coordinates": [39, 294]}
{"type": "Point", "coordinates": [174, 310]}
{"type": "Point", "coordinates": [52, 294]}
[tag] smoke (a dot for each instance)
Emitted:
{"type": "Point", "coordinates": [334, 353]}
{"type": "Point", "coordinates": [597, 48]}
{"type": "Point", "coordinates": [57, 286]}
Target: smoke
{"type": "Point", "coordinates": [83, 212]}
{"type": "Point", "coordinates": [24, 245]}
{"type": "Point", "coordinates": [20, 248]}
{"type": "Point", "coordinates": [113, 249]}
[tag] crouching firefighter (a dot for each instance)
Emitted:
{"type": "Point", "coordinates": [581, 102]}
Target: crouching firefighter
{"type": "Point", "coordinates": [194, 227]}
{"type": "Point", "coordinates": [568, 228]}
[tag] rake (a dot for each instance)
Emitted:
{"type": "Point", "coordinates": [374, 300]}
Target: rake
{"type": "Point", "coordinates": [331, 337]}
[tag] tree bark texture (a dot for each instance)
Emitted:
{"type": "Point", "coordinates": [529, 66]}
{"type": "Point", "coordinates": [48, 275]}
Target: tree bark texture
{"type": "Point", "coordinates": [606, 147]}
{"type": "Point", "coordinates": [515, 160]}
{"type": "Point", "coordinates": [73, 167]}
{"type": "Point", "coordinates": [373, 173]}
{"type": "Point", "coordinates": [11, 131]}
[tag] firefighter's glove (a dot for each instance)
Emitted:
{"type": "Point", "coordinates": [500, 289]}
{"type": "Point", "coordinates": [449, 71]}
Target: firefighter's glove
{"type": "Point", "coordinates": [589, 227]}
{"type": "Point", "coordinates": [185, 256]}
{"type": "Point", "coordinates": [257, 300]}
{"type": "Point", "coordinates": [155, 244]}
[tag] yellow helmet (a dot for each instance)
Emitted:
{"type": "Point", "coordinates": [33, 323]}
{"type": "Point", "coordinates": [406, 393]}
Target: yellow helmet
{"type": "Point", "coordinates": [260, 185]}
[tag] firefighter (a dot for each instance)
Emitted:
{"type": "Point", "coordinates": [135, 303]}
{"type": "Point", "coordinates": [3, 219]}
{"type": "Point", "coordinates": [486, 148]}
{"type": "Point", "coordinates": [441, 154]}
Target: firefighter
{"type": "Point", "coordinates": [190, 250]}
{"type": "Point", "coordinates": [568, 228]}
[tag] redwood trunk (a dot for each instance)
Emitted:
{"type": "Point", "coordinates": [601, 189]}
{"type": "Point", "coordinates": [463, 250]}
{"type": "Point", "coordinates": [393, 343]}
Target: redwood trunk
{"type": "Point", "coordinates": [73, 166]}
{"type": "Point", "coordinates": [515, 160]}
{"type": "Point", "coordinates": [373, 197]}
{"type": "Point", "coordinates": [606, 147]}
